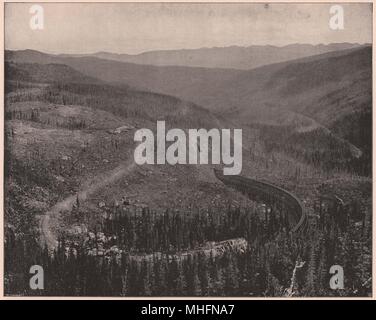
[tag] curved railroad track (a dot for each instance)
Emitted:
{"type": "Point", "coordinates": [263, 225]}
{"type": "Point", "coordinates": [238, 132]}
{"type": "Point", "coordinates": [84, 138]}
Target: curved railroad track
{"type": "Point", "coordinates": [258, 191]}
{"type": "Point", "coordinates": [269, 194]}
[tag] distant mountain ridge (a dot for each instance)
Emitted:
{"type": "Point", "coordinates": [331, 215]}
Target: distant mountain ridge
{"type": "Point", "coordinates": [233, 57]}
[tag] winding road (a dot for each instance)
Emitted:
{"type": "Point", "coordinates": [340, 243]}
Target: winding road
{"type": "Point", "coordinates": [49, 221]}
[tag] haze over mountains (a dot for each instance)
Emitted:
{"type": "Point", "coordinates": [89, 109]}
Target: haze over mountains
{"type": "Point", "coordinates": [234, 57]}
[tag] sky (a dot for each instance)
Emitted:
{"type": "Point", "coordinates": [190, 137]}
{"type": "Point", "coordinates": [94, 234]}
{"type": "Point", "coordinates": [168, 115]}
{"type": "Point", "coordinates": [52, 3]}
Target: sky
{"type": "Point", "coordinates": [135, 28]}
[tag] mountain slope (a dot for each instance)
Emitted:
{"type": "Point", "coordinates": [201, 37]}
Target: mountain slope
{"type": "Point", "coordinates": [64, 85]}
{"type": "Point", "coordinates": [45, 73]}
{"type": "Point", "coordinates": [333, 92]}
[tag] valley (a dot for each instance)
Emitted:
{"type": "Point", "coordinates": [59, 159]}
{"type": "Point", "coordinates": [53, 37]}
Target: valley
{"type": "Point", "coordinates": [72, 187]}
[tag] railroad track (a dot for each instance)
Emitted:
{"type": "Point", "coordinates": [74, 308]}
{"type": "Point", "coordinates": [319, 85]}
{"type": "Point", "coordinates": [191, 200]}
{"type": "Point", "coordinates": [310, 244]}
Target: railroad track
{"type": "Point", "coordinates": [269, 194]}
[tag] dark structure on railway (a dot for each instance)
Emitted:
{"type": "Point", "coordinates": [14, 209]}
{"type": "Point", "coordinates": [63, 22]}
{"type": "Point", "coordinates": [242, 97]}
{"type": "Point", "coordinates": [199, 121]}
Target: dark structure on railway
{"type": "Point", "coordinates": [270, 195]}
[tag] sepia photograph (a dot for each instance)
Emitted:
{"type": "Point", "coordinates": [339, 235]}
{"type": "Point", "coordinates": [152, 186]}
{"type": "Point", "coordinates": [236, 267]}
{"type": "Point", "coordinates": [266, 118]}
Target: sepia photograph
{"type": "Point", "coordinates": [187, 150]}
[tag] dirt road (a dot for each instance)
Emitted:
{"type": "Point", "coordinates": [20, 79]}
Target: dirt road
{"type": "Point", "coordinates": [49, 220]}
